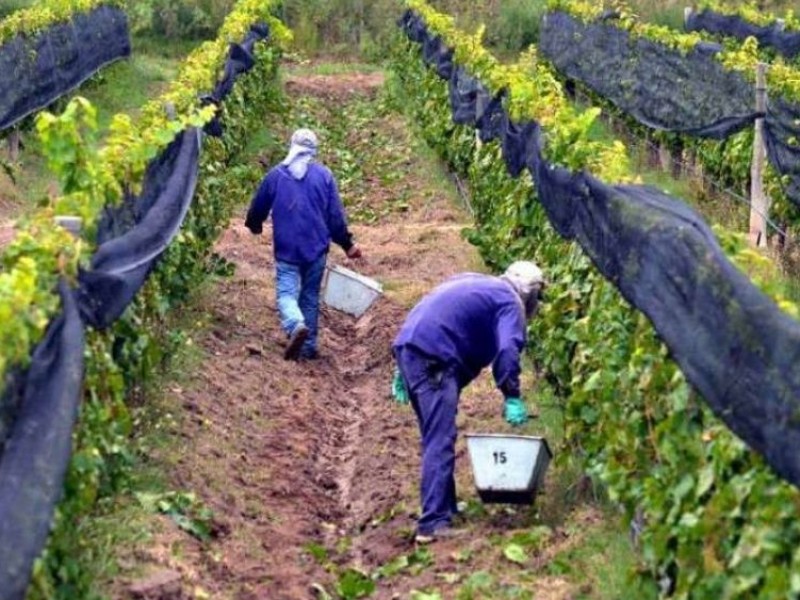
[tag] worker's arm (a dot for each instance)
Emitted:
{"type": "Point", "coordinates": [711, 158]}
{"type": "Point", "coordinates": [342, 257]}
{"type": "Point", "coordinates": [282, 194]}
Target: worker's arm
{"type": "Point", "coordinates": [260, 207]}
{"type": "Point", "coordinates": [510, 332]}
{"type": "Point", "coordinates": [510, 336]}
{"type": "Point", "coordinates": [337, 221]}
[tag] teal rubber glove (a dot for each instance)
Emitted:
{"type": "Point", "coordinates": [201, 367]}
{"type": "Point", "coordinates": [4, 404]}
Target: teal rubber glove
{"type": "Point", "coordinates": [399, 391]}
{"type": "Point", "coordinates": [515, 412]}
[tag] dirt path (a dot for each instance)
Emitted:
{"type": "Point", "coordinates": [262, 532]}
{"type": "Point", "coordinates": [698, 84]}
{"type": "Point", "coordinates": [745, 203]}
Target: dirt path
{"type": "Point", "coordinates": [309, 468]}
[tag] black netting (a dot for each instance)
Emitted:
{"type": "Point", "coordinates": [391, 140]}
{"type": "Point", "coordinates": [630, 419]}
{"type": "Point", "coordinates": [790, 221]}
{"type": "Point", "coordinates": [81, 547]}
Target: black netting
{"type": "Point", "coordinates": [37, 453]}
{"type": "Point", "coordinates": [732, 342]}
{"type": "Point", "coordinates": [38, 408]}
{"type": "Point", "coordinates": [492, 120]}
{"type": "Point", "coordinates": [521, 146]}
{"type": "Point", "coordinates": [436, 54]}
{"type": "Point", "coordinates": [241, 59]}
{"type": "Point", "coordinates": [13, 389]}
{"type": "Point", "coordinates": [768, 36]}
{"type": "Point", "coordinates": [414, 26]}
{"type": "Point", "coordinates": [661, 88]}
{"type": "Point", "coordinates": [468, 97]}
{"type": "Point", "coordinates": [134, 236]}
{"type": "Point", "coordinates": [39, 70]}
{"type": "Point", "coordinates": [735, 346]}
{"type": "Point", "coordinates": [782, 134]}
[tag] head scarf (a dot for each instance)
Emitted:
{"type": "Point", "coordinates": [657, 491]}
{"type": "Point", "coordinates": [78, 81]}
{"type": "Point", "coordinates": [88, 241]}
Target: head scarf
{"type": "Point", "coordinates": [528, 281]}
{"type": "Point", "coordinates": [302, 150]}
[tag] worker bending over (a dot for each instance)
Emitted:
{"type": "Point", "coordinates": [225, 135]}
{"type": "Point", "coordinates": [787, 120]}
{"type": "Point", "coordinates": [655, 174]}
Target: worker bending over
{"type": "Point", "coordinates": [464, 325]}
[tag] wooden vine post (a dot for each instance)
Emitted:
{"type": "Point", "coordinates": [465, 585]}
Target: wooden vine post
{"type": "Point", "coordinates": [759, 203]}
{"type": "Point", "coordinates": [13, 145]}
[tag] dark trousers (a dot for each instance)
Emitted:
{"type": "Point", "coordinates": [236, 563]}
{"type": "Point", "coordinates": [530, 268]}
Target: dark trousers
{"type": "Point", "coordinates": [433, 389]}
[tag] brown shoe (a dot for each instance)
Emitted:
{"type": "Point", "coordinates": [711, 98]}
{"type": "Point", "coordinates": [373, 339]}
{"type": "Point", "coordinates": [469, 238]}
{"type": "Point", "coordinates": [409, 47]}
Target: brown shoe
{"type": "Point", "coordinates": [296, 341]}
{"type": "Point", "coordinates": [443, 533]}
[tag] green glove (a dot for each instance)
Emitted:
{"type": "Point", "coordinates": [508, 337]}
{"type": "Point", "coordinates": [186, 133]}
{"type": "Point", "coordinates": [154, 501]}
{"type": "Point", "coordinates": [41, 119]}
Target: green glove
{"type": "Point", "coordinates": [399, 391]}
{"type": "Point", "coordinates": [515, 412]}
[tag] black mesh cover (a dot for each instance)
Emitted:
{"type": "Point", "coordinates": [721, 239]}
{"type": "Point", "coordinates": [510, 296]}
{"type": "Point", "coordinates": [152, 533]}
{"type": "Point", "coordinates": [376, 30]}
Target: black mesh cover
{"type": "Point", "coordinates": [663, 89]}
{"type": "Point", "coordinates": [38, 407]}
{"type": "Point", "coordinates": [240, 60]}
{"type": "Point", "coordinates": [786, 43]}
{"type": "Point", "coordinates": [39, 70]}
{"type": "Point", "coordinates": [135, 235]}
{"type": "Point", "coordinates": [36, 455]}
{"type": "Point", "coordinates": [732, 342]}
{"type": "Point", "coordinates": [735, 346]}
{"type": "Point", "coordinates": [782, 134]}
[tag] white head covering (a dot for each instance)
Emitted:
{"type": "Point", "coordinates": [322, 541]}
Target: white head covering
{"type": "Point", "coordinates": [528, 281]}
{"type": "Point", "coordinates": [302, 150]}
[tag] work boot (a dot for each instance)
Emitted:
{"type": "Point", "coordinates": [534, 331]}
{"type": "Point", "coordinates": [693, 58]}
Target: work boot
{"type": "Point", "coordinates": [309, 354]}
{"type": "Point", "coordinates": [443, 533]}
{"type": "Point", "coordinates": [296, 341]}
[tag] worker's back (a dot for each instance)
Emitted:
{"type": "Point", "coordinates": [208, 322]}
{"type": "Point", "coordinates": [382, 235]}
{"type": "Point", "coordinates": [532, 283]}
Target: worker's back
{"type": "Point", "coordinates": [462, 321]}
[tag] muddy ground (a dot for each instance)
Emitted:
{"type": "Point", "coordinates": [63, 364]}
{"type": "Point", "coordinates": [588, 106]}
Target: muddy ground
{"type": "Point", "coordinates": [310, 470]}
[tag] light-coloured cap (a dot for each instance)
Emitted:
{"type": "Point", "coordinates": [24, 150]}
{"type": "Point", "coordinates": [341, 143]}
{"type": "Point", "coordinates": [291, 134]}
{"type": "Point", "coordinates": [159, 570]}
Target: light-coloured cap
{"type": "Point", "coordinates": [304, 143]}
{"type": "Point", "coordinates": [524, 276]}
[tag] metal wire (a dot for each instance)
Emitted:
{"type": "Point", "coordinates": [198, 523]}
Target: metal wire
{"type": "Point", "coordinates": [724, 191]}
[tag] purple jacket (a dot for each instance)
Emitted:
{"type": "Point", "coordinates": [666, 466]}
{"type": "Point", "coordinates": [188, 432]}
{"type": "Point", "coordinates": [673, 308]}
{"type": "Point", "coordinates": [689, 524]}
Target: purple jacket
{"type": "Point", "coordinates": [306, 214]}
{"type": "Point", "coordinates": [470, 321]}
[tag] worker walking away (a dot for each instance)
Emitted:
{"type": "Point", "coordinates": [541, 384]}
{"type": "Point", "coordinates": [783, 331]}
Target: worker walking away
{"type": "Point", "coordinates": [307, 214]}
{"type": "Point", "coordinates": [464, 325]}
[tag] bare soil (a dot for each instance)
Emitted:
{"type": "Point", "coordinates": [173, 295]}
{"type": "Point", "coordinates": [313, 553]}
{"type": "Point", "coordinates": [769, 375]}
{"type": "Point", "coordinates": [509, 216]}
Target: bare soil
{"type": "Point", "coordinates": [309, 467]}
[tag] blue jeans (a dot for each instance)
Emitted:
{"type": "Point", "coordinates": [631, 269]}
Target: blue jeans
{"type": "Point", "coordinates": [297, 287]}
{"type": "Point", "coordinates": [434, 390]}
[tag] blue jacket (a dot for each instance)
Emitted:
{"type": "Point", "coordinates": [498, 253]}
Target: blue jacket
{"type": "Point", "coordinates": [306, 214]}
{"type": "Point", "coordinates": [469, 322]}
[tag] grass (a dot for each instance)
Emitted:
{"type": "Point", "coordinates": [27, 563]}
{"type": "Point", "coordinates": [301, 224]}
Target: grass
{"type": "Point", "coordinates": [302, 67]}
{"type": "Point", "coordinates": [715, 207]}
{"type": "Point", "coordinates": [126, 86]}
{"type": "Point", "coordinates": [601, 564]}
{"type": "Point", "coordinates": [111, 534]}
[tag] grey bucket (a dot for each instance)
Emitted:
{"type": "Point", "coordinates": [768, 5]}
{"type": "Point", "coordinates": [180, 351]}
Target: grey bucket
{"type": "Point", "coordinates": [508, 469]}
{"type": "Point", "coordinates": [349, 291]}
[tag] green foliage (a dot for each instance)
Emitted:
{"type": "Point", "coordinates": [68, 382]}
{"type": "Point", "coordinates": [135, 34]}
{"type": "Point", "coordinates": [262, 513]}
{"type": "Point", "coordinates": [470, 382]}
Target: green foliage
{"type": "Point", "coordinates": [516, 25]}
{"type": "Point", "coordinates": [751, 12]}
{"type": "Point", "coordinates": [515, 553]}
{"type": "Point", "coordinates": [178, 18]}
{"type": "Point", "coordinates": [353, 584]}
{"type": "Point", "coordinates": [139, 344]}
{"type": "Point", "coordinates": [10, 6]}
{"type": "Point", "coordinates": [718, 522]}
{"type": "Point", "coordinates": [728, 161]}
{"type": "Point", "coordinates": [341, 27]}
{"type": "Point", "coordinates": [185, 509]}
{"type": "Point", "coordinates": [413, 563]}
{"type": "Point", "coordinates": [45, 14]}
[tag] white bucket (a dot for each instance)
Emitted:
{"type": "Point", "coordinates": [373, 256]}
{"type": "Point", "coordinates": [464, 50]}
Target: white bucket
{"type": "Point", "coordinates": [350, 292]}
{"type": "Point", "coordinates": [508, 469]}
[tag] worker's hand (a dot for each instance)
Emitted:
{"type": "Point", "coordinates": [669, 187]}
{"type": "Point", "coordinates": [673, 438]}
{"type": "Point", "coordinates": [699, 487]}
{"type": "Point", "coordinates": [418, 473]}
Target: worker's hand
{"type": "Point", "coordinates": [354, 252]}
{"type": "Point", "coordinates": [515, 412]}
{"type": "Point", "coordinates": [399, 391]}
